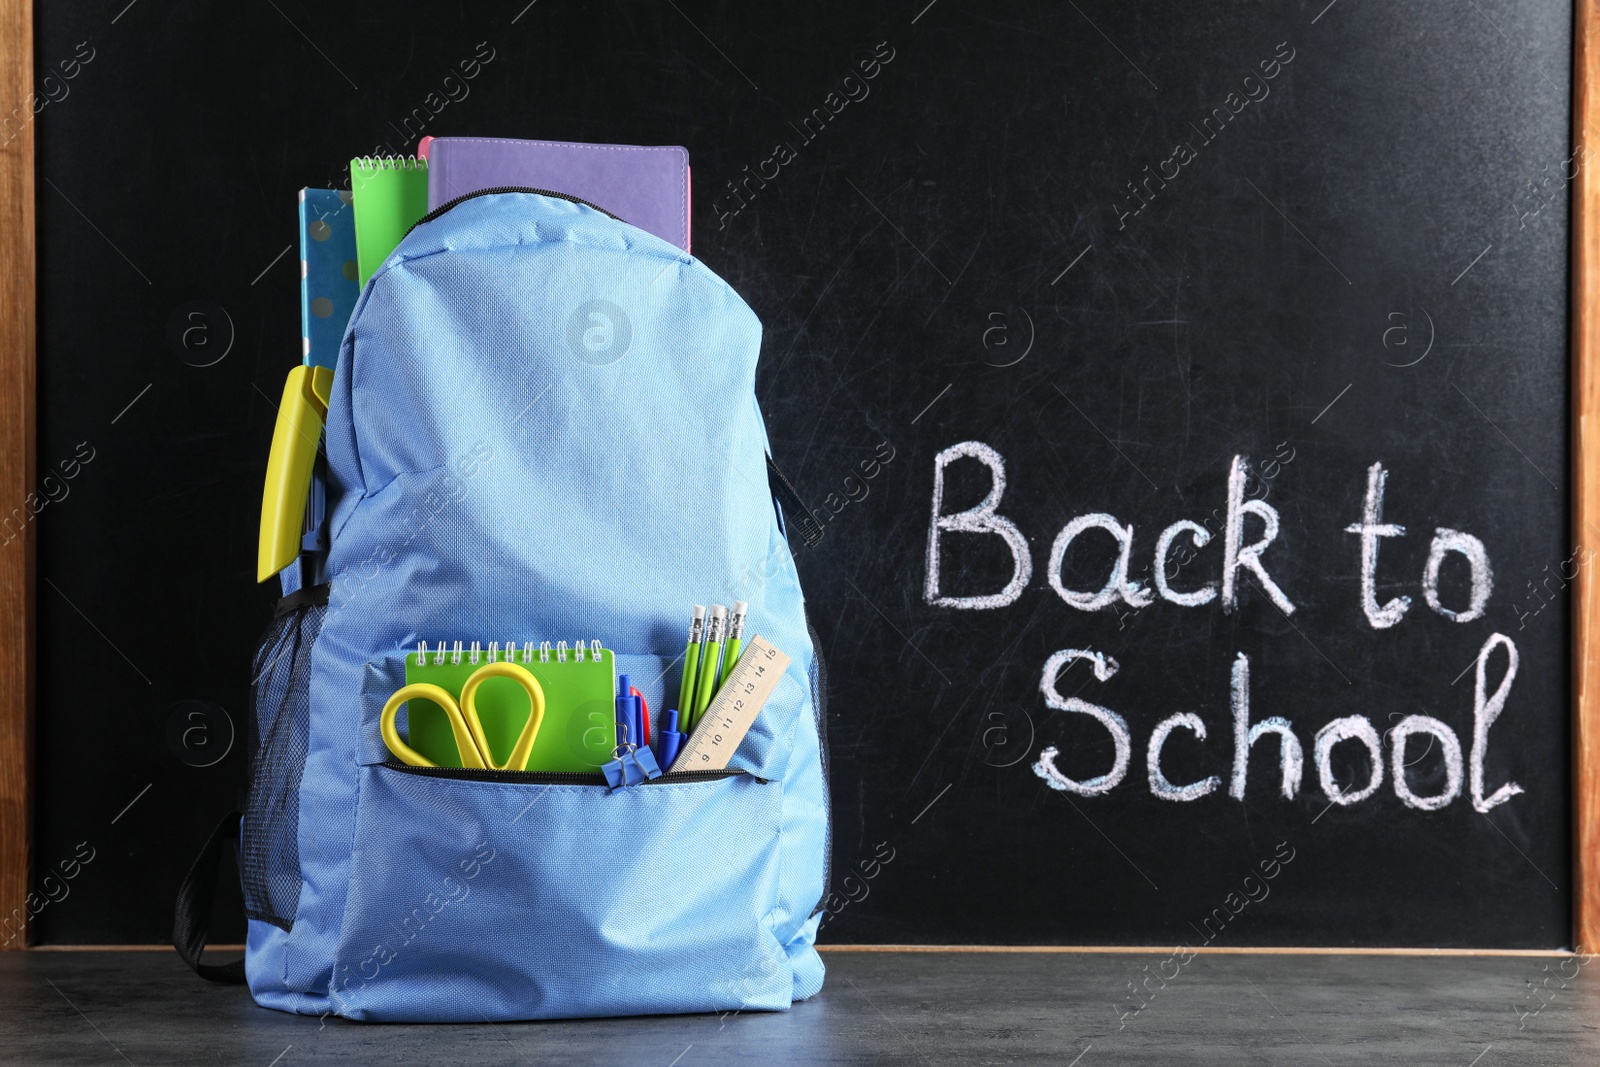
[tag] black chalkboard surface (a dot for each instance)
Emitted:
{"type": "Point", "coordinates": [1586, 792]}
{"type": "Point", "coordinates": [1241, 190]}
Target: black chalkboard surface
{"type": "Point", "coordinates": [1041, 283]}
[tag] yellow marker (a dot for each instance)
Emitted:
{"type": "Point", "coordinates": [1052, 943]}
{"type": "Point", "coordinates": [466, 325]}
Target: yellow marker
{"type": "Point", "coordinates": [294, 453]}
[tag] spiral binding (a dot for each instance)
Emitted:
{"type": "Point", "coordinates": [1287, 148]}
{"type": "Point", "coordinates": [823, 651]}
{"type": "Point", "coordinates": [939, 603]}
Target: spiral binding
{"type": "Point", "coordinates": [497, 653]}
{"type": "Point", "coordinates": [390, 163]}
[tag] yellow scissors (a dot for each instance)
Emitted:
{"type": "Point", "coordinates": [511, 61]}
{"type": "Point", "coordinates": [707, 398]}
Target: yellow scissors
{"type": "Point", "coordinates": [471, 742]}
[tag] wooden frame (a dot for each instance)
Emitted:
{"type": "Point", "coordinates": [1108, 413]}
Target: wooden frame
{"type": "Point", "coordinates": [1586, 479]}
{"type": "Point", "coordinates": [17, 471]}
{"type": "Point", "coordinates": [17, 444]}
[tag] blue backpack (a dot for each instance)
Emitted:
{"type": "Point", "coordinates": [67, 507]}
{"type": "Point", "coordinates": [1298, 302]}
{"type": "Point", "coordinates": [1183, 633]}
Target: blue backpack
{"type": "Point", "coordinates": [543, 426]}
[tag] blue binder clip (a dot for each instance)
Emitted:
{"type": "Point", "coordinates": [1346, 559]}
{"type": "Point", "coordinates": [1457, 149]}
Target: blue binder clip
{"type": "Point", "coordinates": [633, 764]}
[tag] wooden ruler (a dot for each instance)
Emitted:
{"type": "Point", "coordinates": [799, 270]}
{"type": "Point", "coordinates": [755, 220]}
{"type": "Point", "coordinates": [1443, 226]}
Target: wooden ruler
{"type": "Point", "coordinates": [734, 709]}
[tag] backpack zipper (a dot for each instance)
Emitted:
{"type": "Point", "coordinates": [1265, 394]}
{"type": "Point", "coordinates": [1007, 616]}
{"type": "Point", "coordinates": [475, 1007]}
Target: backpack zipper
{"type": "Point", "coordinates": [480, 774]}
{"type": "Point", "coordinates": [448, 204]}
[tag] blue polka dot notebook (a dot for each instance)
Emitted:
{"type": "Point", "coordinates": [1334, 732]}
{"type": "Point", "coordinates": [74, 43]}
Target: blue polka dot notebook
{"type": "Point", "coordinates": [328, 275]}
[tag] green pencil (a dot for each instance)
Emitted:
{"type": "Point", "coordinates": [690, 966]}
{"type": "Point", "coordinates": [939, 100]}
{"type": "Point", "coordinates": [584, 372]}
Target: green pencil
{"type": "Point", "coordinates": [708, 662]}
{"type": "Point", "coordinates": [730, 655]}
{"type": "Point", "coordinates": [691, 661]}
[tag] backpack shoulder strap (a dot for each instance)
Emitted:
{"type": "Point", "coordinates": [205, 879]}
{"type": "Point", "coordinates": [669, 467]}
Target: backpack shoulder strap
{"type": "Point", "coordinates": [788, 498]}
{"type": "Point", "coordinates": [191, 922]}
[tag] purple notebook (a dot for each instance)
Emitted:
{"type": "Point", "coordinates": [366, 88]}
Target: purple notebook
{"type": "Point", "coordinates": [646, 186]}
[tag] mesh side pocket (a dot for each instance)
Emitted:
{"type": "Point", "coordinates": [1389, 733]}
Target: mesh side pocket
{"type": "Point", "coordinates": [280, 732]}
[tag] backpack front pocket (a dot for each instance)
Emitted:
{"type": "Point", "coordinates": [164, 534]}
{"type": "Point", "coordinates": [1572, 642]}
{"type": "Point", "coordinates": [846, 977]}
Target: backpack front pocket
{"type": "Point", "coordinates": [491, 896]}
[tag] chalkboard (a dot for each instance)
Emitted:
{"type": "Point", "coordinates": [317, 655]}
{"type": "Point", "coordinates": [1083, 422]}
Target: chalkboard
{"type": "Point", "coordinates": [1041, 284]}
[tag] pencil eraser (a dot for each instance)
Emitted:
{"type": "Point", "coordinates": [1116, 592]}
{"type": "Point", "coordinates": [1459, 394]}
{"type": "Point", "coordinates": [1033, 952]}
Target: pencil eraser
{"type": "Point", "coordinates": [718, 611]}
{"type": "Point", "coordinates": [699, 611]}
{"type": "Point", "coordinates": [740, 607]}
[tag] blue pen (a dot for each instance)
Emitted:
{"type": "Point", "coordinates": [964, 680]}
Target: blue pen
{"type": "Point", "coordinates": [626, 705]}
{"type": "Point", "coordinates": [668, 741]}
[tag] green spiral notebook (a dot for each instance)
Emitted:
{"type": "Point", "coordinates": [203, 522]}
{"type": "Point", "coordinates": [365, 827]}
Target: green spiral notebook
{"type": "Point", "coordinates": [390, 196]}
{"type": "Point", "coordinates": [580, 718]}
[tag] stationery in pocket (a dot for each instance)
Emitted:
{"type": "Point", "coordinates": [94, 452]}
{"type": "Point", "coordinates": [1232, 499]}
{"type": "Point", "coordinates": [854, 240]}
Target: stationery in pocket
{"type": "Point", "coordinates": [578, 731]}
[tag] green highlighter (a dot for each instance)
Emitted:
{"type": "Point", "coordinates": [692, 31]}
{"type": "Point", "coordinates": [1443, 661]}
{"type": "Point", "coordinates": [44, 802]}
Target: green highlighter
{"type": "Point", "coordinates": [709, 661]}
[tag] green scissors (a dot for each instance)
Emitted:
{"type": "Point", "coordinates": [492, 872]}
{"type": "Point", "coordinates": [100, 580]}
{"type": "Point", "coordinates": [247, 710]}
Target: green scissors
{"type": "Point", "coordinates": [471, 742]}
